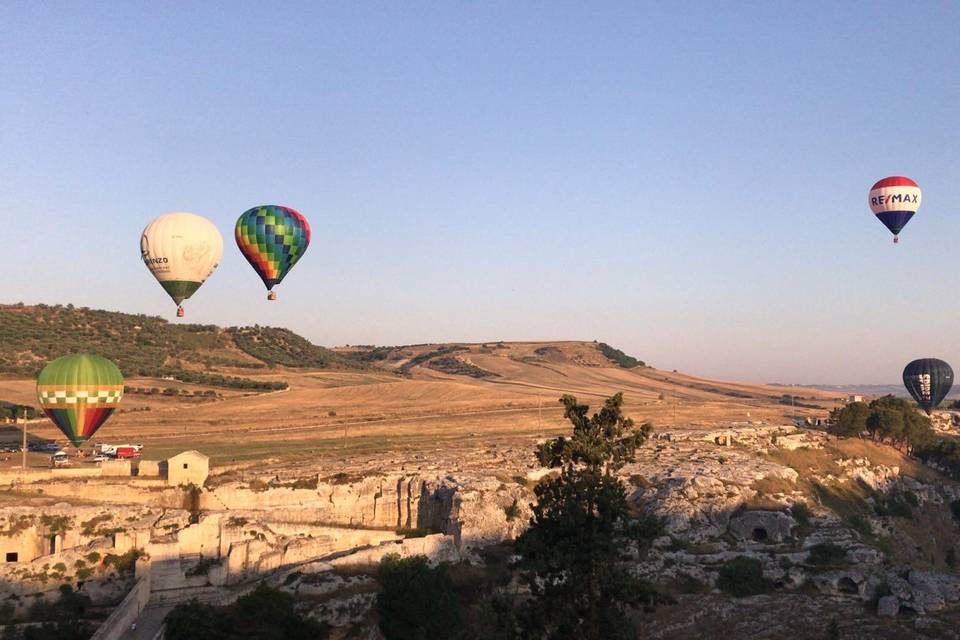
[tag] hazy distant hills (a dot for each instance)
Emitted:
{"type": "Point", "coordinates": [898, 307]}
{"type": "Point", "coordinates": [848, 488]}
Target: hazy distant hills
{"type": "Point", "coordinates": [873, 390]}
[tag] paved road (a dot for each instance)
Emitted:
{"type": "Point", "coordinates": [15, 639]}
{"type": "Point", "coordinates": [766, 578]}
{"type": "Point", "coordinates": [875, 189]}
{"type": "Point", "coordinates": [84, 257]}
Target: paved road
{"type": "Point", "coordinates": [148, 624]}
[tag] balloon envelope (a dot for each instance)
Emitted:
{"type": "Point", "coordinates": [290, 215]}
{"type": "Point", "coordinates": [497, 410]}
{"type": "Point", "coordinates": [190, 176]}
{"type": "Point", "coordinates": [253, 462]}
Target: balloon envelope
{"type": "Point", "coordinates": [894, 200]}
{"type": "Point", "coordinates": [78, 393]}
{"type": "Point", "coordinates": [928, 380]}
{"type": "Point", "coordinates": [272, 239]}
{"type": "Point", "coordinates": [181, 250]}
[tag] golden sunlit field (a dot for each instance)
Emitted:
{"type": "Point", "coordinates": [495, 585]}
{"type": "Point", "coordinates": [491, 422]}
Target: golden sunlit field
{"type": "Point", "coordinates": [378, 408]}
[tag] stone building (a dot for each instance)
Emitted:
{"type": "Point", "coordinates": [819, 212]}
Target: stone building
{"type": "Point", "coordinates": [188, 467]}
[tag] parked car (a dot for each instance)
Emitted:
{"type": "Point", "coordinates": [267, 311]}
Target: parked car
{"type": "Point", "coordinates": [60, 459]}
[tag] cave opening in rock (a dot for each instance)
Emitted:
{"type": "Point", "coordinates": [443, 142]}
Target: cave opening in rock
{"type": "Point", "coordinates": [760, 534]}
{"type": "Point", "coordinates": [847, 585]}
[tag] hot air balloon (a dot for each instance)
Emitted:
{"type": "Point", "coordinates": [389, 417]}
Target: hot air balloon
{"type": "Point", "coordinates": [894, 200]}
{"type": "Point", "coordinates": [181, 250]}
{"type": "Point", "coordinates": [928, 380]}
{"type": "Point", "coordinates": [79, 392]}
{"type": "Point", "coordinates": [272, 239]}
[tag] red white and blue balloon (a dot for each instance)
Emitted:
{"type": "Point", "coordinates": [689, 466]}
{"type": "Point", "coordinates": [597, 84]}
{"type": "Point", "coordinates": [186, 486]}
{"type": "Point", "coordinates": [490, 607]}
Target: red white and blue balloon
{"type": "Point", "coordinates": [894, 200]}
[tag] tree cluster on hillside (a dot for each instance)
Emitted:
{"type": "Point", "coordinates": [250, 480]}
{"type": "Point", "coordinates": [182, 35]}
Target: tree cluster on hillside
{"type": "Point", "coordinates": [619, 357]}
{"type": "Point", "coordinates": [429, 355]}
{"type": "Point", "coordinates": [888, 419]}
{"type": "Point", "coordinates": [284, 347]}
{"type": "Point", "coordinates": [265, 613]}
{"type": "Point", "coordinates": [31, 336]}
{"type": "Point", "coordinates": [10, 411]}
{"type": "Point", "coordinates": [458, 367]}
{"type": "Point", "coordinates": [215, 379]}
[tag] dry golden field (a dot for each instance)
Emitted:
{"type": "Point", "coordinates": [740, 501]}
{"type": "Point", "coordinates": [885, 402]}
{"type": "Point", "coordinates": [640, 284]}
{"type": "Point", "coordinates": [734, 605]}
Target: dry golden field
{"type": "Point", "coordinates": [346, 411]}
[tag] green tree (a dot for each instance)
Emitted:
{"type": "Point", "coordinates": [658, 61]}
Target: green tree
{"type": "Point", "coordinates": [743, 576]}
{"type": "Point", "coordinates": [573, 551]}
{"type": "Point", "coordinates": [849, 421]}
{"type": "Point", "coordinates": [886, 419]}
{"type": "Point", "coordinates": [263, 614]}
{"type": "Point", "coordinates": [607, 440]}
{"type": "Point", "coordinates": [884, 424]}
{"type": "Point", "coordinates": [417, 601]}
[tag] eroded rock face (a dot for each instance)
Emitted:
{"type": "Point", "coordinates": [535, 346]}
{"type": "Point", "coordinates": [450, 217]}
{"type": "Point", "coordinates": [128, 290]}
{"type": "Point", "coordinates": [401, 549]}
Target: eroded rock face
{"type": "Point", "coordinates": [888, 607]}
{"type": "Point", "coordinates": [762, 526]}
{"type": "Point", "coordinates": [696, 488]}
{"type": "Point", "coordinates": [392, 501]}
{"type": "Point", "coordinates": [706, 493]}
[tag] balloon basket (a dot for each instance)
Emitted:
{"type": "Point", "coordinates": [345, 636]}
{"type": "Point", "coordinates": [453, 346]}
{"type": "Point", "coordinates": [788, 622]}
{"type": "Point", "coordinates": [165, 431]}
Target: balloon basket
{"type": "Point", "coordinates": [271, 296]}
{"type": "Point", "coordinates": [179, 312]}
{"type": "Point", "coordinates": [896, 239]}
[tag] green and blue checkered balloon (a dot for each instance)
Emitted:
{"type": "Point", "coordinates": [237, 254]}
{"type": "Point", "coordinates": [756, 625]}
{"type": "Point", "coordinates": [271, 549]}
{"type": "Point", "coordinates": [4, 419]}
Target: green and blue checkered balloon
{"type": "Point", "coordinates": [272, 239]}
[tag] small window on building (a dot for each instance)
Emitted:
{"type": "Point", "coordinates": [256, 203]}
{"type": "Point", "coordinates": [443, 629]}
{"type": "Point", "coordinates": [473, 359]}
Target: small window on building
{"type": "Point", "coordinates": [185, 465]}
{"type": "Point", "coordinates": [12, 556]}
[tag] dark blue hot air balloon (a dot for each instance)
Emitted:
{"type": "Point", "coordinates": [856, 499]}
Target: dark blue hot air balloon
{"type": "Point", "coordinates": [928, 380]}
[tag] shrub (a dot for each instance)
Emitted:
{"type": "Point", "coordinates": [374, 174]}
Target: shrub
{"type": "Point", "coordinates": [264, 613]}
{"type": "Point", "coordinates": [88, 528]}
{"type": "Point", "coordinates": [801, 513]}
{"type": "Point", "coordinates": [123, 563]}
{"type": "Point", "coordinates": [860, 524]}
{"type": "Point", "coordinates": [417, 601]}
{"type": "Point", "coordinates": [826, 554]}
{"type": "Point", "coordinates": [56, 524]}
{"type": "Point", "coordinates": [893, 505]}
{"type": "Point", "coordinates": [955, 508]}
{"type": "Point", "coordinates": [742, 577]}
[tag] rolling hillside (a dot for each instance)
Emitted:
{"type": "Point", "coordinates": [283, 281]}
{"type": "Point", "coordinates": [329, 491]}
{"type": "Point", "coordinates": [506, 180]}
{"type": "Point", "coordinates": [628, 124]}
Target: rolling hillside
{"type": "Point", "coordinates": [30, 336]}
{"type": "Point", "coordinates": [253, 392]}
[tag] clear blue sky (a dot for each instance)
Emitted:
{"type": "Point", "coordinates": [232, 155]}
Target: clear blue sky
{"type": "Point", "coordinates": [684, 181]}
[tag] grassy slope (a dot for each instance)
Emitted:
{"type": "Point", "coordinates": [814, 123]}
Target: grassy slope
{"type": "Point", "coordinates": [30, 336]}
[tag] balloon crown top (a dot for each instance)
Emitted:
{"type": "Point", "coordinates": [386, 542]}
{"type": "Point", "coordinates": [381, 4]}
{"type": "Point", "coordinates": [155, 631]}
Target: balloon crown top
{"type": "Point", "coordinates": [894, 181]}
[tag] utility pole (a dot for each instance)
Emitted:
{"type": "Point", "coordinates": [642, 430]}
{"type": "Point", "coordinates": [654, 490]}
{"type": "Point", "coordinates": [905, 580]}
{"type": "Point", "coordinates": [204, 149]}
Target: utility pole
{"type": "Point", "coordinates": [23, 450]}
{"type": "Point", "coordinates": [540, 414]}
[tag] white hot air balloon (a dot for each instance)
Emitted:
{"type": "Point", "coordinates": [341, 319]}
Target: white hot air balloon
{"type": "Point", "coordinates": [181, 250]}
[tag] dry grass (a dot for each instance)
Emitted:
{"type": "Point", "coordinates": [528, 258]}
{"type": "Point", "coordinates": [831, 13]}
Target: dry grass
{"type": "Point", "coordinates": [772, 485]}
{"type": "Point", "coordinates": [885, 455]}
{"type": "Point", "coordinates": [324, 411]}
{"type": "Point", "coordinates": [807, 462]}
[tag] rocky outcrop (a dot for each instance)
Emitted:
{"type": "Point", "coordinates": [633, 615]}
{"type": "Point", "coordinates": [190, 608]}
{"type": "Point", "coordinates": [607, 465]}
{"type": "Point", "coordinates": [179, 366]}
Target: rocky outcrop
{"type": "Point", "coordinates": [762, 526]}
